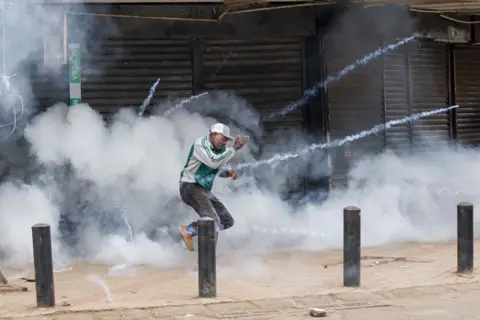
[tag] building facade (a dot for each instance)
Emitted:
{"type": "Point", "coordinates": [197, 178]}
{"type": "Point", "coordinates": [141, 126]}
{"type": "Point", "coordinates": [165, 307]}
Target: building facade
{"type": "Point", "coordinates": [270, 57]}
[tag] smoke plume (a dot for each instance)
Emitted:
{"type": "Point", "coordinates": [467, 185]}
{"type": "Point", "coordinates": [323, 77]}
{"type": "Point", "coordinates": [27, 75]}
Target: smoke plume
{"type": "Point", "coordinates": [105, 179]}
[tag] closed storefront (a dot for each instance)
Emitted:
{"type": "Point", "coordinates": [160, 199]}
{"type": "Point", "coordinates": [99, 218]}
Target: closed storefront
{"type": "Point", "coordinates": [467, 94]}
{"type": "Point", "coordinates": [267, 67]}
{"type": "Point", "coordinates": [416, 80]}
{"type": "Point", "coordinates": [266, 72]}
{"type": "Point", "coordinates": [48, 87]}
{"type": "Point", "coordinates": [264, 67]}
{"type": "Point", "coordinates": [408, 80]}
{"type": "Point", "coordinates": [397, 98]}
{"type": "Point", "coordinates": [119, 72]}
{"type": "Point", "coordinates": [429, 91]}
{"type": "Point", "coordinates": [355, 103]}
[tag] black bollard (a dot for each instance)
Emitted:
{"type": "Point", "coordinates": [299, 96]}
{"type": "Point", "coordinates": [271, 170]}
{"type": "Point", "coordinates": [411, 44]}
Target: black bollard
{"type": "Point", "coordinates": [465, 237]}
{"type": "Point", "coordinates": [351, 247]}
{"type": "Point", "coordinates": [207, 273]}
{"type": "Point", "coordinates": [42, 260]}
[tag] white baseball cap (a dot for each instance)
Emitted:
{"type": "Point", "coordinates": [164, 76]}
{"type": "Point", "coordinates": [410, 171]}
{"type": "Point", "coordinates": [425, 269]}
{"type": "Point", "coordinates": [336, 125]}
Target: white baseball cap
{"type": "Point", "coordinates": [222, 129]}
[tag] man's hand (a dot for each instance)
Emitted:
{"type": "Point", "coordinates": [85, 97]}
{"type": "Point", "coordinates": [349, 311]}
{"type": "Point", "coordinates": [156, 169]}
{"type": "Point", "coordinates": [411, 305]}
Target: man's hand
{"type": "Point", "coordinates": [232, 174]}
{"type": "Point", "coordinates": [240, 141]}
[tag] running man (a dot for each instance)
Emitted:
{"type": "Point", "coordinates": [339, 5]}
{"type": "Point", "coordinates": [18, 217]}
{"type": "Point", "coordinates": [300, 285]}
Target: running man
{"type": "Point", "coordinates": [207, 155]}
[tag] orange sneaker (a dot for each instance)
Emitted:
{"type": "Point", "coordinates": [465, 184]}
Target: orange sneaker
{"type": "Point", "coordinates": [187, 237]}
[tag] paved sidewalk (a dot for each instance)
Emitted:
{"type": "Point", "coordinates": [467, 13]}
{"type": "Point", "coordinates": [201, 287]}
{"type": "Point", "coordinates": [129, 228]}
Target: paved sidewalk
{"type": "Point", "coordinates": [280, 285]}
{"type": "Point", "coordinates": [447, 302]}
{"type": "Point", "coordinates": [451, 302]}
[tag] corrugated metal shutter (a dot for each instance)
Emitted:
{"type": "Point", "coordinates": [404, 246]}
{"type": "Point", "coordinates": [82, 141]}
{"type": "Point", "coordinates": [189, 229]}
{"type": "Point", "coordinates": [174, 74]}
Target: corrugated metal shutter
{"type": "Point", "coordinates": [355, 103]}
{"type": "Point", "coordinates": [49, 88]}
{"type": "Point", "coordinates": [429, 91]}
{"type": "Point", "coordinates": [416, 80]}
{"type": "Point", "coordinates": [467, 94]}
{"type": "Point", "coordinates": [396, 97]}
{"type": "Point", "coordinates": [119, 72]}
{"type": "Point", "coordinates": [268, 73]}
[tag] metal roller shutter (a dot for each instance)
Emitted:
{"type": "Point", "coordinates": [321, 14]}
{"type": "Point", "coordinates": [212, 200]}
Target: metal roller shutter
{"type": "Point", "coordinates": [467, 94]}
{"type": "Point", "coordinates": [355, 103]}
{"type": "Point", "coordinates": [48, 88]}
{"type": "Point", "coordinates": [396, 99]}
{"type": "Point", "coordinates": [268, 73]}
{"type": "Point", "coordinates": [429, 91]}
{"type": "Point", "coordinates": [416, 80]}
{"type": "Point", "coordinates": [119, 72]}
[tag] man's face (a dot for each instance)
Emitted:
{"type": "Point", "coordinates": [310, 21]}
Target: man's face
{"type": "Point", "coordinates": [218, 140]}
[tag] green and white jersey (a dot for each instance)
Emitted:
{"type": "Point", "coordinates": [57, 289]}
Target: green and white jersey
{"type": "Point", "coordinates": [204, 161]}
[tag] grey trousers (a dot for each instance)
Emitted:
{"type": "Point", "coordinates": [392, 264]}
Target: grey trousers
{"type": "Point", "coordinates": [204, 202]}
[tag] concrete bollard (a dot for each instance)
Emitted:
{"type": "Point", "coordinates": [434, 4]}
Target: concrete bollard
{"type": "Point", "coordinates": [465, 237]}
{"type": "Point", "coordinates": [207, 273]}
{"type": "Point", "coordinates": [351, 246]}
{"type": "Point", "coordinates": [42, 259]}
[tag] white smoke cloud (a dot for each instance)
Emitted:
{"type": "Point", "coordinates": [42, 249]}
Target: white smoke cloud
{"type": "Point", "coordinates": [132, 167]}
{"type": "Point", "coordinates": [403, 198]}
{"type": "Point", "coordinates": [22, 206]}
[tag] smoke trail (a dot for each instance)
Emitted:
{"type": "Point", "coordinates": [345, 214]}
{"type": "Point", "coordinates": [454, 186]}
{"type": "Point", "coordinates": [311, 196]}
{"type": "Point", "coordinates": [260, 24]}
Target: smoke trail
{"type": "Point", "coordinates": [183, 102]}
{"type": "Point", "coordinates": [147, 100]}
{"type": "Point", "coordinates": [130, 233]}
{"type": "Point", "coordinates": [340, 142]}
{"type": "Point", "coordinates": [95, 278]}
{"type": "Point", "coordinates": [5, 87]}
{"type": "Point", "coordinates": [140, 113]}
{"type": "Point", "coordinates": [314, 90]}
{"type": "Point", "coordinates": [220, 66]}
{"type": "Point", "coordinates": [125, 219]}
{"type": "Point", "coordinates": [5, 91]}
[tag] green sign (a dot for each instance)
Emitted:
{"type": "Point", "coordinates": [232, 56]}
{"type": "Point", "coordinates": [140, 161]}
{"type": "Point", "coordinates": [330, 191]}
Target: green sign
{"type": "Point", "coordinates": [74, 73]}
{"type": "Point", "coordinates": [75, 101]}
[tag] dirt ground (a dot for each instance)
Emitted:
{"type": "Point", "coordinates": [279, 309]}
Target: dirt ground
{"type": "Point", "coordinates": [395, 279]}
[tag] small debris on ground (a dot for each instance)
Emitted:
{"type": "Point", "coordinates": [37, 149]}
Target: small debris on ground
{"type": "Point", "coordinates": [317, 312]}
